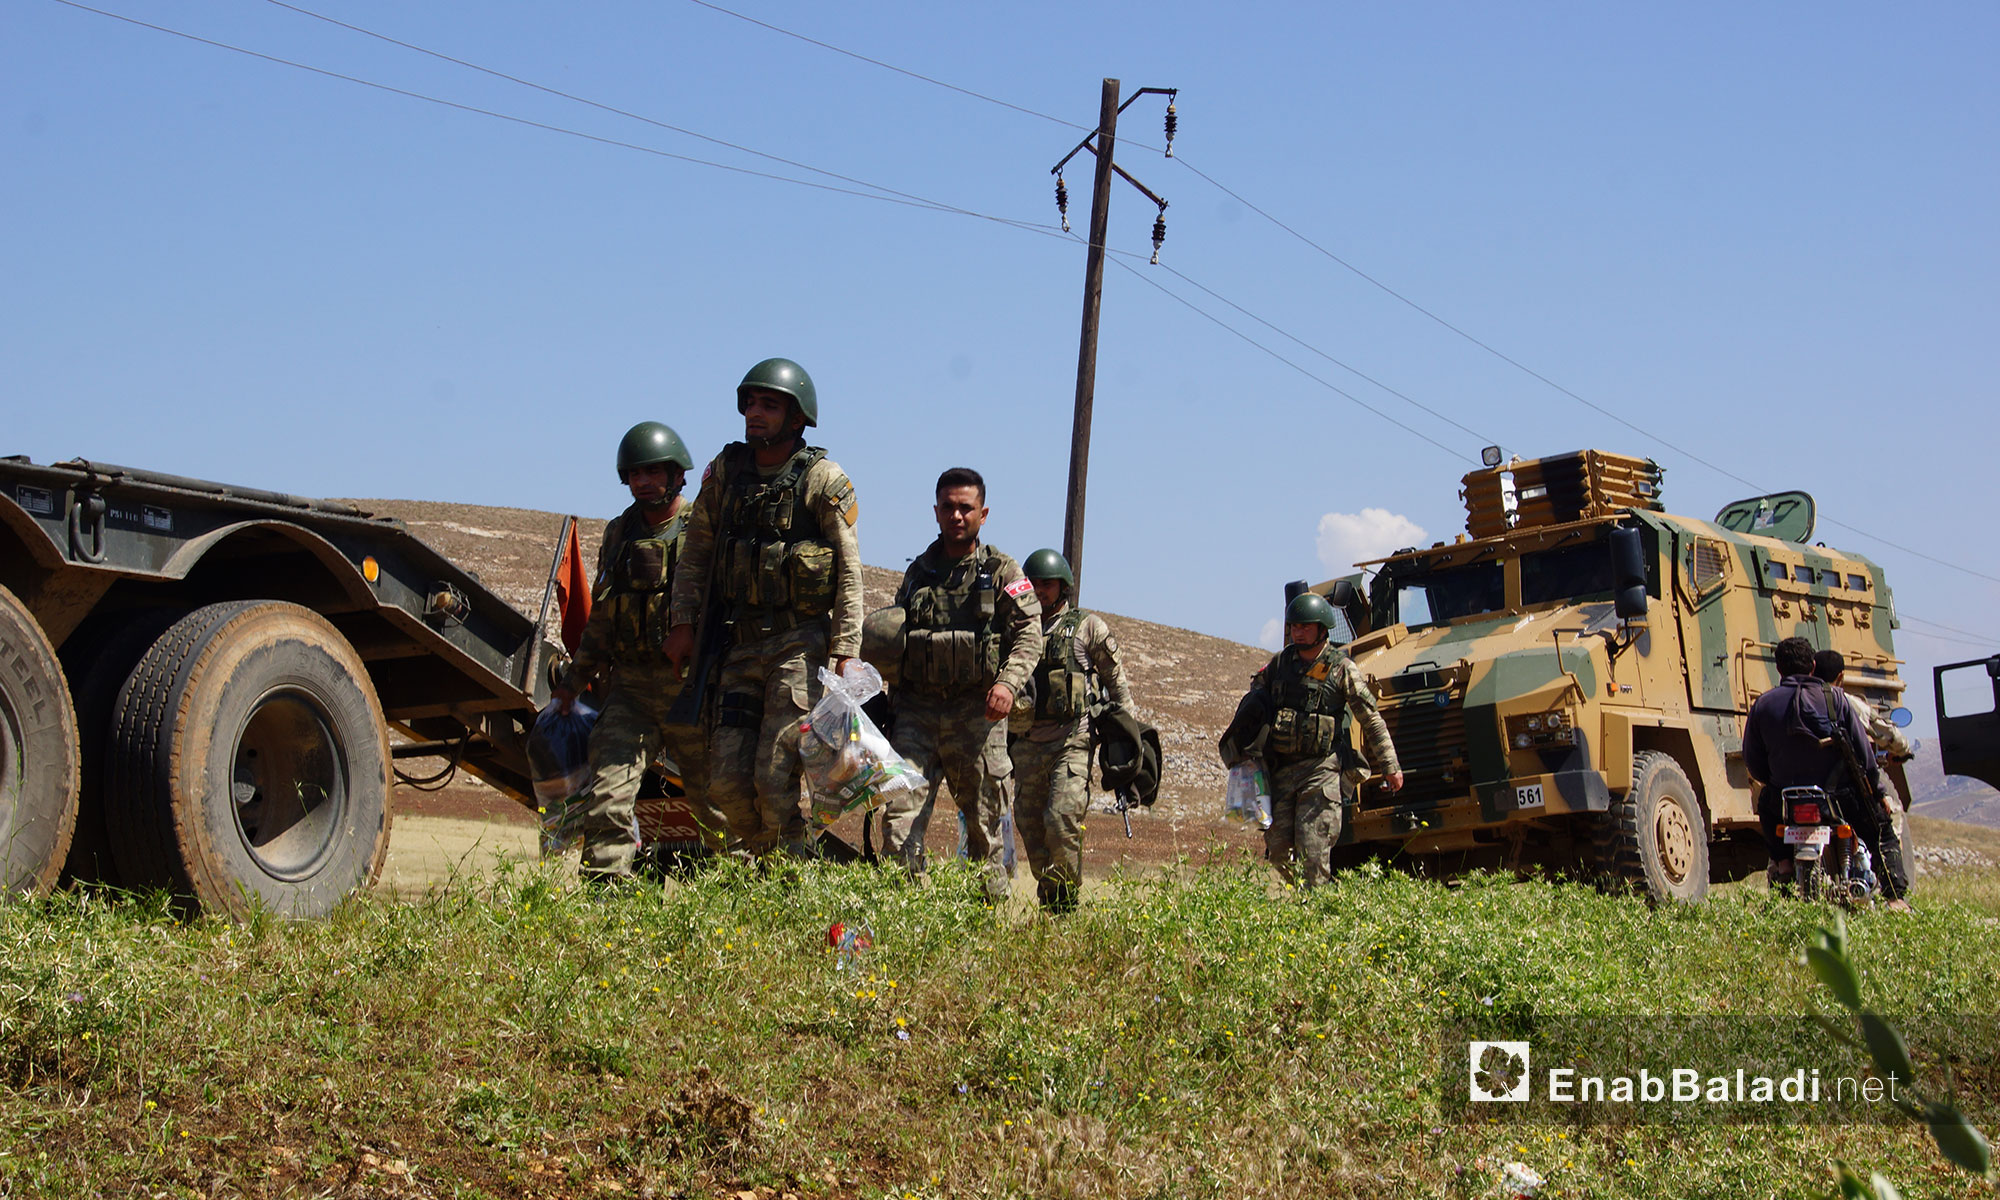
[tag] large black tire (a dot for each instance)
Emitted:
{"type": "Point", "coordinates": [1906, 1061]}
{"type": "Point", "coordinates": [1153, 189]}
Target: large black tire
{"type": "Point", "coordinates": [38, 756]}
{"type": "Point", "coordinates": [1654, 837]}
{"type": "Point", "coordinates": [98, 658]}
{"type": "Point", "coordinates": [250, 764]}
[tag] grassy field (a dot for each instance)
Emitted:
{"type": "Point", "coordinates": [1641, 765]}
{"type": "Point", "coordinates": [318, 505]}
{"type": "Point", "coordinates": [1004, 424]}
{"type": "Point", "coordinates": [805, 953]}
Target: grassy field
{"type": "Point", "coordinates": [1191, 1034]}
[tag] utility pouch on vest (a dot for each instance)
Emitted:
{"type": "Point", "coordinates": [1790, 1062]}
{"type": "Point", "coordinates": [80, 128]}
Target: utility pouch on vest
{"type": "Point", "coordinates": [639, 623]}
{"type": "Point", "coordinates": [1066, 697]}
{"type": "Point", "coordinates": [1303, 734]}
{"type": "Point", "coordinates": [768, 586]}
{"type": "Point", "coordinates": [644, 564]}
{"type": "Point", "coordinates": [737, 568]}
{"type": "Point", "coordinates": [1285, 731]}
{"type": "Point", "coordinates": [943, 658]}
{"type": "Point", "coordinates": [809, 574]}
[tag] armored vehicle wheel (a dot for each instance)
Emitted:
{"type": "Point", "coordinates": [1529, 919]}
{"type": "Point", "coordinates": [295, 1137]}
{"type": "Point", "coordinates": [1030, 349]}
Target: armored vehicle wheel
{"type": "Point", "coordinates": [38, 755]}
{"type": "Point", "coordinates": [1654, 837]}
{"type": "Point", "coordinates": [249, 763]}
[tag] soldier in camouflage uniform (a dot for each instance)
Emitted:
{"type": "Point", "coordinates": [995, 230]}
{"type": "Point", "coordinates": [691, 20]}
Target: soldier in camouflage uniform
{"type": "Point", "coordinates": [971, 637]}
{"type": "Point", "coordinates": [1308, 691]}
{"type": "Point", "coordinates": [771, 545]}
{"type": "Point", "coordinates": [1050, 746]}
{"type": "Point", "coordinates": [622, 642]}
{"type": "Point", "coordinates": [1829, 666]}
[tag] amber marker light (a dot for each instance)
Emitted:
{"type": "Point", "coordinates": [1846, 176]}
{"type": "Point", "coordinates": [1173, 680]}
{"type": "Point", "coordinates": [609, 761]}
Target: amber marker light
{"type": "Point", "coordinates": [370, 569]}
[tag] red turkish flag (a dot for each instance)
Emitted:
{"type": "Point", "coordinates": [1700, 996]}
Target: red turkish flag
{"type": "Point", "coordinates": [572, 590]}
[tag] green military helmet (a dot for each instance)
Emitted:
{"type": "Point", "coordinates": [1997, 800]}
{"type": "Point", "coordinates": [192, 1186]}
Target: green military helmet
{"type": "Point", "coordinates": [1310, 608]}
{"type": "Point", "coordinates": [786, 377]}
{"type": "Point", "coordinates": [882, 642]}
{"type": "Point", "coordinates": [650, 442]}
{"type": "Point", "coordinates": [1048, 564]}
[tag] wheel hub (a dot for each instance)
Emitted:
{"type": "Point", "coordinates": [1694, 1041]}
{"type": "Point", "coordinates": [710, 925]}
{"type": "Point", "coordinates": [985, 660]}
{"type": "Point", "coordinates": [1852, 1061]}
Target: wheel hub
{"type": "Point", "coordinates": [289, 790]}
{"type": "Point", "coordinates": [1675, 838]}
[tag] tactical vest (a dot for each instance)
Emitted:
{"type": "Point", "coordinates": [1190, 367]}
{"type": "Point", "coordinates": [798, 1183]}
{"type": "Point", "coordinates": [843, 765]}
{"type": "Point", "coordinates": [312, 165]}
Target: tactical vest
{"type": "Point", "coordinates": [641, 577]}
{"type": "Point", "coordinates": [773, 567]}
{"type": "Point", "coordinates": [1065, 685]}
{"type": "Point", "coordinates": [951, 634]}
{"type": "Point", "coordinates": [1310, 717]}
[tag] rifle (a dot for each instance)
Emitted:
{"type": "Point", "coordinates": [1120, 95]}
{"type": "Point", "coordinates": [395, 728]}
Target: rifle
{"type": "Point", "coordinates": [1128, 797]}
{"type": "Point", "coordinates": [690, 706]}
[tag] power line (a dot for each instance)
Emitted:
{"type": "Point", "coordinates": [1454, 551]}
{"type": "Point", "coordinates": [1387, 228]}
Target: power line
{"type": "Point", "coordinates": [882, 194]}
{"type": "Point", "coordinates": [1985, 646]}
{"type": "Point", "coordinates": [584, 100]}
{"type": "Point", "coordinates": [1981, 638]}
{"type": "Point", "coordinates": [894, 196]}
{"type": "Point", "coordinates": [1413, 432]}
{"type": "Point", "coordinates": [876, 62]}
{"type": "Point", "coordinates": [918, 200]}
{"type": "Point", "coordinates": [1371, 280]}
{"type": "Point", "coordinates": [1483, 438]}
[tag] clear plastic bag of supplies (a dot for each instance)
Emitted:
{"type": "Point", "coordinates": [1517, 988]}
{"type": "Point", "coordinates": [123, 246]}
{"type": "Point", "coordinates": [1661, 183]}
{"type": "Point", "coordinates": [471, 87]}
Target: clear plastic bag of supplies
{"type": "Point", "coordinates": [849, 765]}
{"type": "Point", "coordinates": [559, 767]}
{"type": "Point", "coordinates": [1249, 794]}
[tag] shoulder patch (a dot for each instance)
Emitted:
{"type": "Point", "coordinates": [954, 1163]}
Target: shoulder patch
{"type": "Point", "coordinates": [1019, 588]}
{"type": "Point", "coordinates": [708, 473]}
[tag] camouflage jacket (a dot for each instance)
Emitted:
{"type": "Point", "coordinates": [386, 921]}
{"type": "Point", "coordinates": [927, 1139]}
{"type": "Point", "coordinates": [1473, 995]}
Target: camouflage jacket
{"type": "Point", "coordinates": [1332, 674]}
{"type": "Point", "coordinates": [594, 649]}
{"type": "Point", "coordinates": [1091, 650]}
{"type": "Point", "coordinates": [1016, 613]}
{"type": "Point", "coordinates": [827, 495]}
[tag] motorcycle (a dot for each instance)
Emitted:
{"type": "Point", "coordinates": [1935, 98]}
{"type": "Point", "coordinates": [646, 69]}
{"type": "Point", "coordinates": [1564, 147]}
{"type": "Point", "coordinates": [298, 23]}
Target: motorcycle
{"type": "Point", "coordinates": [1829, 860]}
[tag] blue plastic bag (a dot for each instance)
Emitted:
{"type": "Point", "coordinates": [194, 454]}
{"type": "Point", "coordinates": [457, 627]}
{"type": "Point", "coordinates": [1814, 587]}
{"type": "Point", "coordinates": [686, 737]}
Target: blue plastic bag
{"type": "Point", "coordinates": [559, 767]}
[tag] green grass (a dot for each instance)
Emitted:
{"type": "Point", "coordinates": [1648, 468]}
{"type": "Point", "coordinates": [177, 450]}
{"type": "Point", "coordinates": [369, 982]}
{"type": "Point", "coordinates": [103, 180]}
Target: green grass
{"type": "Point", "coordinates": [1190, 1034]}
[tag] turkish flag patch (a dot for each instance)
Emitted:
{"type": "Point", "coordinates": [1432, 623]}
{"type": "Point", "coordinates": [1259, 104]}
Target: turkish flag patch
{"type": "Point", "coordinates": [1019, 588]}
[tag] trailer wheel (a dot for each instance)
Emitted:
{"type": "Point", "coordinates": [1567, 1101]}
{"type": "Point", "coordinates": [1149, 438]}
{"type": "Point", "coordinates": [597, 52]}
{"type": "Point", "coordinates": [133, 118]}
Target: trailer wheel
{"type": "Point", "coordinates": [250, 765]}
{"type": "Point", "coordinates": [38, 755]}
{"type": "Point", "coordinates": [1654, 838]}
{"type": "Point", "coordinates": [98, 658]}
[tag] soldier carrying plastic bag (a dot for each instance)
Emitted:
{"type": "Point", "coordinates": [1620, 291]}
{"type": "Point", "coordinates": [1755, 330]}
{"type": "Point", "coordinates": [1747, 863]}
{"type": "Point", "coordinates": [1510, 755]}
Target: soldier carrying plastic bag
{"type": "Point", "coordinates": [849, 766]}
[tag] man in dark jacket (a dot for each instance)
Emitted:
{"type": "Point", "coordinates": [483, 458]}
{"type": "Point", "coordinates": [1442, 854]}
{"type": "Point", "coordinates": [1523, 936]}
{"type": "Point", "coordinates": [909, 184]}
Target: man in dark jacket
{"type": "Point", "coordinates": [1792, 739]}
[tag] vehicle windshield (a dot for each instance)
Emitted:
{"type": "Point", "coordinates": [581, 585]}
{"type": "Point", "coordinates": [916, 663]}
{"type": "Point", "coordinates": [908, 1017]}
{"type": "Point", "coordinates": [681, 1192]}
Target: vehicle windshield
{"type": "Point", "coordinates": [1427, 597]}
{"type": "Point", "coordinates": [1568, 574]}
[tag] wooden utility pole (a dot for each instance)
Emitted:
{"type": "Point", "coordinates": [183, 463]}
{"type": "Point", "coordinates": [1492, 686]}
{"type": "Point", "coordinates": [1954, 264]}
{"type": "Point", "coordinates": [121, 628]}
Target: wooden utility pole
{"type": "Point", "coordinates": [1086, 355]}
{"type": "Point", "coordinates": [1105, 136]}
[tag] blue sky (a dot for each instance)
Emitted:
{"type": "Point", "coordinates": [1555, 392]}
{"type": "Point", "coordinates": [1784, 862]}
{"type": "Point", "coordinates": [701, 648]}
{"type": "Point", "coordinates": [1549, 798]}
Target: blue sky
{"type": "Point", "coordinates": [1762, 234]}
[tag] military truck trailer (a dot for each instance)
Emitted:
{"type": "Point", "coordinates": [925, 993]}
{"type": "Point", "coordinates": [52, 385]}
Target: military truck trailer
{"type": "Point", "coordinates": [198, 684]}
{"type": "Point", "coordinates": [1566, 682]}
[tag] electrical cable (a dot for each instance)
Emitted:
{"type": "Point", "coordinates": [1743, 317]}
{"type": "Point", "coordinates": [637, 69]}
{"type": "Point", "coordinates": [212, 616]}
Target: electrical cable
{"type": "Point", "coordinates": [1370, 279]}
{"type": "Point", "coordinates": [876, 62]}
{"type": "Point", "coordinates": [1114, 258]}
{"type": "Point", "coordinates": [896, 198]}
{"type": "Point", "coordinates": [891, 195]}
{"type": "Point", "coordinates": [584, 100]}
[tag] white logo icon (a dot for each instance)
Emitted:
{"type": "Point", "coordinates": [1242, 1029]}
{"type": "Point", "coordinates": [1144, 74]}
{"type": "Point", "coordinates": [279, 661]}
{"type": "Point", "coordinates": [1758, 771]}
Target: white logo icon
{"type": "Point", "coordinates": [1497, 1070]}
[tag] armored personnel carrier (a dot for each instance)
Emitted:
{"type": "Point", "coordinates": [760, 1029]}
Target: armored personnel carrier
{"type": "Point", "coordinates": [1566, 682]}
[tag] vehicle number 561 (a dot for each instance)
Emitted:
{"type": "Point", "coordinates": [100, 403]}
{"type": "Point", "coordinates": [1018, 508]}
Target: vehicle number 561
{"type": "Point", "coordinates": [1529, 796]}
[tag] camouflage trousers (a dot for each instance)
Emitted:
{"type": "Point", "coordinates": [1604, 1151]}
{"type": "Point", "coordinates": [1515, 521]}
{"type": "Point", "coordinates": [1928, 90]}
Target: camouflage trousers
{"type": "Point", "coordinates": [1051, 803]}
{"type": "Point", "coordinates": [951, 741]}
{"type": "Point", "coordinates": [1305, 819]}
{"type": "Point", "coordinates": [630, 733]}
{"type": "Point", "coordinates": [767, 687]}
